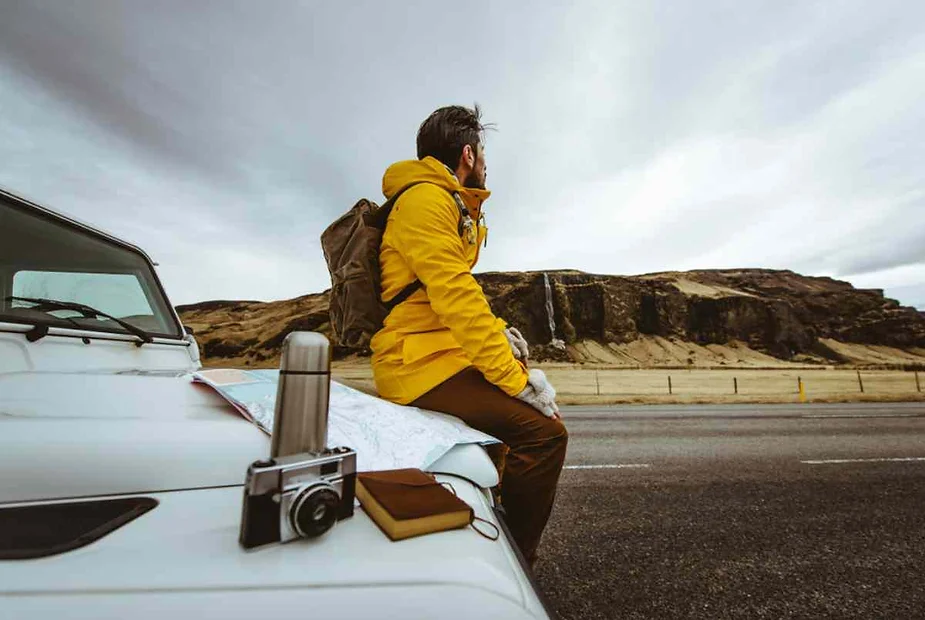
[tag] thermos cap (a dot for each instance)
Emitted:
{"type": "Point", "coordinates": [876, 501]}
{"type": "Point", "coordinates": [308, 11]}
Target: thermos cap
{"type": "Point", "coordinates": [305, 351]}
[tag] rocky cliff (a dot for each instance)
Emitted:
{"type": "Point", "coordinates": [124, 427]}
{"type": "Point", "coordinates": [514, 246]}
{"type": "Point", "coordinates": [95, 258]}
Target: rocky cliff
{"type": "Point", "coordinates": [711, 317]}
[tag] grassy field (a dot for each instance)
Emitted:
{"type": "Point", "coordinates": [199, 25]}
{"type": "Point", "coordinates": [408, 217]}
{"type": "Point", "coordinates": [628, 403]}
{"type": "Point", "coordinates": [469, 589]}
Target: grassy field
{"type": "Point", "coordinates": [590, 385]}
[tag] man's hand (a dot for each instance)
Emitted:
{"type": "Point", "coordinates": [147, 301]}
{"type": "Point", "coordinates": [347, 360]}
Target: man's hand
{"type": "Point", "coordinates": [540, 394]}
{"type": "Point", "coordinates": [518, 343]}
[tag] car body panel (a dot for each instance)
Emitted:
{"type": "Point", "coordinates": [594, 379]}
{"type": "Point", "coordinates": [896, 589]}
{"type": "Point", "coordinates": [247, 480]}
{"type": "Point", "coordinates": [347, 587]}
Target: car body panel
{"type": "Point", "coordinates": [188, 543]}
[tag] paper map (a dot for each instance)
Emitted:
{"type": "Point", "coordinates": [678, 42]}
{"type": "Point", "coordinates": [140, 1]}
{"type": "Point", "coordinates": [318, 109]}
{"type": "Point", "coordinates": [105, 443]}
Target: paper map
{"type": "Point", "coordinates": [383, 434]}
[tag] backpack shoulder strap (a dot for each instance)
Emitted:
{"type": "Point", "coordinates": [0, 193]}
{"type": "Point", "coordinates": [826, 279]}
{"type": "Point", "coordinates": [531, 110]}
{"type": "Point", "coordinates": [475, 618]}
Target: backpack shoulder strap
{"type": "Point", "coordinates": [382, 213]}
{"type": "Point", "coordinates": [403, 294]}
{"type": "Point", "coordinates": [465, 222]}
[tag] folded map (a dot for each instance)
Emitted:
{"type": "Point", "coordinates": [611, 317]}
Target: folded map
{"type": "Point", "coordinates": [384, 435]}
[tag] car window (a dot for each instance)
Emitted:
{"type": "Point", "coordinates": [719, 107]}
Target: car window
{"type": "Point", "coordinates": [118, 294]}
{"type": "Point", "coordinates": [42, 257]}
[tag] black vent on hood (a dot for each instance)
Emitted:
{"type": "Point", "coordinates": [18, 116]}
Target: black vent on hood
{"type": "Point", "coordinates": [48, 529]}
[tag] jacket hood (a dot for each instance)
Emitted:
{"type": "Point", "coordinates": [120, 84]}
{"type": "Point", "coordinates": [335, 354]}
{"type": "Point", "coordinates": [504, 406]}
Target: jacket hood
{"type": "Point", "coordinates": [430, 170]}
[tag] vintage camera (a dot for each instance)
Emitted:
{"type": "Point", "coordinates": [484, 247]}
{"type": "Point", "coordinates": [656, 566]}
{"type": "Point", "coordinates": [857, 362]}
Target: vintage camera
{"type": "Point", "coordinates": [303, 489]}
{"type": "Point", "coordinates": [299, 496]}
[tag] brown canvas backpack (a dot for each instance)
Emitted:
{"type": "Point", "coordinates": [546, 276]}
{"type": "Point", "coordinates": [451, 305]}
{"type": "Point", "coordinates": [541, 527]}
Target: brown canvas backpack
{"type": "Point", "coordinates": [351, 250]}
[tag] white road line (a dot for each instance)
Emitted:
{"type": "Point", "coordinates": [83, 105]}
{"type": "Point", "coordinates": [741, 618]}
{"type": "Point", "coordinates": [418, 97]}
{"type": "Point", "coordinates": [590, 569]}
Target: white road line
{"type": "Point", "coordinates": [612, 466]}
{"type": "Point", "coordinates": [822, 416]}
{"type": "Point", "coordinates": [898, 459]}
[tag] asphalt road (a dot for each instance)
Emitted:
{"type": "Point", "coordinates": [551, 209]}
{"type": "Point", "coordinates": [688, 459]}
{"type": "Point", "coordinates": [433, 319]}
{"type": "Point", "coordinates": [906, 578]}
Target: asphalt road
{"type": "Point", "coordinates": [765, 511]}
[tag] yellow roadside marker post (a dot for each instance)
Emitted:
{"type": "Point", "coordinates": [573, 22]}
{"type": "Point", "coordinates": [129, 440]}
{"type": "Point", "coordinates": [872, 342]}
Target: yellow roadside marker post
{"type": "Point", "coordinates": [801, 389]}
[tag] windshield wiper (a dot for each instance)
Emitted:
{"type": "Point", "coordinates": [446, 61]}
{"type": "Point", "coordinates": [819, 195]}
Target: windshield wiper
{"type": "Point", "coordinates": [43, 305]}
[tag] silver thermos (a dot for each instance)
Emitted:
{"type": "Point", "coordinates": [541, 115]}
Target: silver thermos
{"type": "Point", "coordinates": [300, 422]}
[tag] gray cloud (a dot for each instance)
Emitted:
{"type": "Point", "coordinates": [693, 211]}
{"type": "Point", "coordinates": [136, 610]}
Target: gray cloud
{"type": "Point", "coordinates": [634, 137]}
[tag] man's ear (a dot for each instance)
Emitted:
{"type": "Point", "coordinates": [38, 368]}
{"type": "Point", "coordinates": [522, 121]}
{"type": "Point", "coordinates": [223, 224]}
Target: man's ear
{"type": "Point", "coordinates": [469, 155]}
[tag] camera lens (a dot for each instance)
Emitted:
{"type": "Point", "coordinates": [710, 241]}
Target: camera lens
{"type": "Point", "coordinates": [314, 510]}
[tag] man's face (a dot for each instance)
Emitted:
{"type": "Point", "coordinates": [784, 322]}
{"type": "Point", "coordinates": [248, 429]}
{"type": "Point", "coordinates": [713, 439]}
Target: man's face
{"type": "Point", "coordinates": [479, 173]}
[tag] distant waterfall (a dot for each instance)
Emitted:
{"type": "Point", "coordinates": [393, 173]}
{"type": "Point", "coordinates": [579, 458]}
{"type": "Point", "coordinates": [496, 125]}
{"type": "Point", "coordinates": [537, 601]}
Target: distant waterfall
{"type": "Point", "coordinates": [550, 315]}
{"type": "Point", "coordinates": [549, 311]}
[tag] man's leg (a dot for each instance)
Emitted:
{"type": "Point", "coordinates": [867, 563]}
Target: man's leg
{"type": "Point", "coordinates": [537, 448]}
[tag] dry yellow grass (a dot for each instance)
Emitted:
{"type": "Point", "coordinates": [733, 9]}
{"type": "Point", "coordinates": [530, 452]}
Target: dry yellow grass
{"type": "Point", "coordinates": [583, 385]}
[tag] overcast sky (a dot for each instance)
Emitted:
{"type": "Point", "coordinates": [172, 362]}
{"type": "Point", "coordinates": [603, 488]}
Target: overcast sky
{"type": "Point", "coordinates": [632, 136]}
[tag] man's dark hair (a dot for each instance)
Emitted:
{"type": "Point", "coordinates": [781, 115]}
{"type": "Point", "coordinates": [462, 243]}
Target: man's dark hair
{"type": "Point", "coordinates": [445, 132]}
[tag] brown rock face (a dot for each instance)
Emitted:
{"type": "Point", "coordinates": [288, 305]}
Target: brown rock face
{"type": "Point", "coordinates": [244, 333]}
{"type": "Point", "coordinates": [779, 313]}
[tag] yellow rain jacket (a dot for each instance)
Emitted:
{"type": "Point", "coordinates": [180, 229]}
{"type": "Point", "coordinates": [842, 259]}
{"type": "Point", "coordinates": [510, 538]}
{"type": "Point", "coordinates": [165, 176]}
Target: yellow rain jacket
{"type": "Point", "coordinates": [447, 325]}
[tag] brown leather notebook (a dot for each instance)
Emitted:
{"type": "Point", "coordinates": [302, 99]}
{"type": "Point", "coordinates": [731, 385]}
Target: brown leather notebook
{"type": "Point", "coordinates": [410, 502]}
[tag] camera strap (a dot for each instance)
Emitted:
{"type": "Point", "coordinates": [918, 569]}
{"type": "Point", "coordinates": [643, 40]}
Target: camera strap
{"type": "Point", "coordinates": [476, 519]}
{"type": "Point", "coordinates": [489, 524]}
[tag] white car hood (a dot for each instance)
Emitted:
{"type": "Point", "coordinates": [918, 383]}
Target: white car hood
{"type": "Point", "coordinates": [73, 434]}
{"type": "Point", "coordinates": [68, 434]}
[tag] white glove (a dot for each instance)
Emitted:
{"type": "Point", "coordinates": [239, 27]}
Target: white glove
{"type": "Point", "coordinates": [518, 343]}
{"type": "Point", "coordinates": [540, 394]}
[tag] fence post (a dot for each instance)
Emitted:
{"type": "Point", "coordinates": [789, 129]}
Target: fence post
{"type": "Point", "coordinates": [597, 379]}
{"type": "Point", "coordinates": [860, 383]}
{"type": "Point", "coordinates": [735, 384]}
{"type": "Point", "coordinates": [918, 388]}
{"type": "Point", "coordinates": [669, 384]}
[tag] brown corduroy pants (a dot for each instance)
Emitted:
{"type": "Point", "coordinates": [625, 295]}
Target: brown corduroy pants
{"type": "Point", "coordinates": [536, 448]}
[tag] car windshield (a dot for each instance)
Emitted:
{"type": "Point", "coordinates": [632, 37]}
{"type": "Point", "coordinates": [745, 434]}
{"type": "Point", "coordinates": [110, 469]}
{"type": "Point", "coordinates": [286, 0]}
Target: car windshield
{"type": "Point", "coordinates": [45, 259]}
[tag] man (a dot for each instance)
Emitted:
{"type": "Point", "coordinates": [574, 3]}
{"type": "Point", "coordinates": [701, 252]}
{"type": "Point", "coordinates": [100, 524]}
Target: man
{"type": "Point", "coordinates": [442, 349]}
